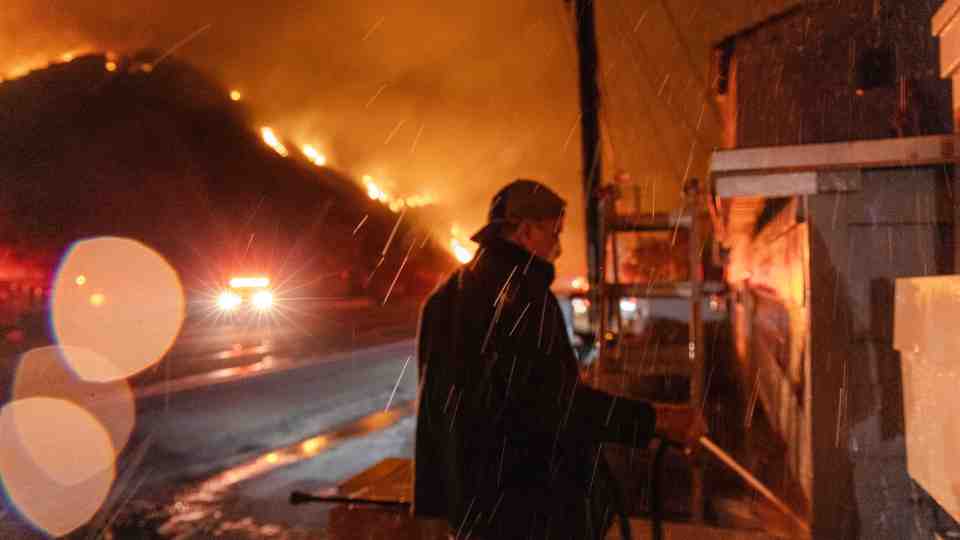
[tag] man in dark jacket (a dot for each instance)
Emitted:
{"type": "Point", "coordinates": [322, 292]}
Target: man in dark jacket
{"type": "Point", "coordinates": [508, 438]}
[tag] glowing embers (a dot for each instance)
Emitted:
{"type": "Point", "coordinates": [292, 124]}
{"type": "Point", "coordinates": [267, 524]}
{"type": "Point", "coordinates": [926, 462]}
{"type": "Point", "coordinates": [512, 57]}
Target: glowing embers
{"type": "Point", "coordinates": [459, 245]}
{"type": "Point", "coordinates": [374, 191]}
{"type": "Point", "coordinates": [271, 140]}
{"type": "Point", "coordinates": [56, 461]}
{"type": "Point", "coordinates": [44, 60]}
{"type": "Point", "coordinates": [314, 155]}
{"type": "Point", "coordinates": [236, 95]}
{"type": "Point", "coordinates": [460, 252]}
{"type": "Point", "coordinates": [116, 308]}
{"type": "Point", "coordinates": [378, 192]}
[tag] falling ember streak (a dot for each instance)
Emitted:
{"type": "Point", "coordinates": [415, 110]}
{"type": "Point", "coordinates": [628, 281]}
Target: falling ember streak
{"type": "Point", "coordinates": [520, 318]}
{"type": "Point", "coordinates": [362, 221]}
{"type": "Point", "coordinates": [313, 155]}
{"type": "Point", "coordinates": [639, 22]}
{"type": "Point", "coordinates": [393, 233]}
{"type": "Point", "coordinates": [596, 465]}
{"type": "Point", "coordinates": [400, 378]}
{"type": "Point", "coordinates": [506, 284]}
{"type": "Point", "coordinates": [503, 453]}
{"type": "Point", "coordinates": [181, 43]}
{"type": "Point", "coordinates": [841, 404]}
{"type": "Point", "coordinates": [465, 516]}
{"type": "Point", "coordinates": [526, 268]}
{"type": "Point", "coordinates": [456, 409]}
{"type": "Point", "coordinates": [543, 315]}
{"type": "Point", "coordinates": [394, 131]}
{"type": "Point", "coordinates": [510, 377]}
{"type": "Point", "coordinates": [270, 138]}
{"type": "Point", "coordinates": [493, 323]}
{"type": "Point", "coordinates": [397, 277]}
{"type": "Point", "coordinates": [748, 421]}
{"type": "Point", "coordinates": [373, 28]}
{"type": "Point", "coordinates": [573, 128]}
{"type": "Point", "coordinates": [375, 96]}
{"type": "Point", "coordinates": [495, 508]}
{"type": "Point", "coordinates": [664, 85]}
{"type": "Point", "coordinates": [613, 405]}
{"type": "Point", "coordinates": [413, 147]}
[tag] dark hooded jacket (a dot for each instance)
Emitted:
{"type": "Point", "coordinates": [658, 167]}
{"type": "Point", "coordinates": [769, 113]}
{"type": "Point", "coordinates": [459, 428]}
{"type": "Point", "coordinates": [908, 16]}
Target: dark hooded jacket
{"type": "Point", "coordinates": [508, 438]}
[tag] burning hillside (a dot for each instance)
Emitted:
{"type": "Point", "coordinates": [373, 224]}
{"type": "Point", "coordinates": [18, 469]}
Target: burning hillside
{"type": "Point", "coordinates": [103, 144]}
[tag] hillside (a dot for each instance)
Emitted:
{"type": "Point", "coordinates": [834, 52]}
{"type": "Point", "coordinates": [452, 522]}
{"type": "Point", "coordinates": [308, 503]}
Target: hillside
{"type": "Point", "coordinates": [161, 154]}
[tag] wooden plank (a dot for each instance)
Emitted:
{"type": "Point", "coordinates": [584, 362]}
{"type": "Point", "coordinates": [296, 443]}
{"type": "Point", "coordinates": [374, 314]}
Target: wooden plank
{"type": "Point", "coordinates": [944, 17]}
{"type": "Point", "coordinates": [832, 490]}
{"type": "Point", "coordinates": [950, 50]}
{"type": "Point", "coordinates": [853, 154]}
{"type": "Point", "coordinates": [788, 184]}
{"type": "Point", "coordinates": [943, 25]}
{"type": "Point", "coordinates": [928, 349]}
{"type": "Point", "coordinates": [388, 480]}
{"type": "Point", "coordinates": [767, 185]}
{"type": "Point", "coordinates": [839, 180]}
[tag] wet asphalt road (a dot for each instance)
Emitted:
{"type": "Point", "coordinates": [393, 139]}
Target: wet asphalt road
{"type": "Point", "coordinates": [216, 450]}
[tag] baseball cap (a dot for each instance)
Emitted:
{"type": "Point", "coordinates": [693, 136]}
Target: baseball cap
{"type": "Point", "coordinates": [519, 200]}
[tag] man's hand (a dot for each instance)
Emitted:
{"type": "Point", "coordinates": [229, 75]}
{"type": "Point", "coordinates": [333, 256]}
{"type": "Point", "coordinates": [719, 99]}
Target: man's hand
{"type": "Point", "coordinates": [680, 424]}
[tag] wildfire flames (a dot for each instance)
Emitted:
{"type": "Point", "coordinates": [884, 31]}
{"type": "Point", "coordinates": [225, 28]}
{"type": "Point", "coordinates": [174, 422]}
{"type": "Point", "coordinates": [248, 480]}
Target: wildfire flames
{"type": "Point", "coordinates": [459, 245]}
{"type": "Point", "coordinates": [313, 155]}
{"type": "Point", "coordinates": [378, 193]}
{"type": "Point", "coordinates": [272, 141]}
{"type": "Point", "coordinates": [32, 64]}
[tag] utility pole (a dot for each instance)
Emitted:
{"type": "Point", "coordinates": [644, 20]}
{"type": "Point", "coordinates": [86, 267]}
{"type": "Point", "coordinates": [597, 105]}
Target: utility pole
{"type": "Point", "coordinates": [590, 136]}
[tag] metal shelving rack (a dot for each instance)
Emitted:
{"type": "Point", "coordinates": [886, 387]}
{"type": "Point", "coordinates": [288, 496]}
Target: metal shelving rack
{"type": "Point", "coordinates": [669, 362]}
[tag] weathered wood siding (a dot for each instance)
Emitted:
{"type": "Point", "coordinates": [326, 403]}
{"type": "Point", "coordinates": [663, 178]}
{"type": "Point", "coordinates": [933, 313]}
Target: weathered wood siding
{"type": "Point", "coordinates": [835, 70]}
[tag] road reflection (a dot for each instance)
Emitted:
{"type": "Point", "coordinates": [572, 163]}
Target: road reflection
{"type": "Point", "coordinates": [199, 502]}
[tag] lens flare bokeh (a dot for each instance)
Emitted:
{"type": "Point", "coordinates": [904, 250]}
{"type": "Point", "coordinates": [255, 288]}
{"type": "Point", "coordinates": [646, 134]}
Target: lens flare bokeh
{"type": "Point", "coordinates": [43, 373]}
{"type": "Point", "coordinates": [117, 306]}
{"type": "Point", "coordinates": [56, 462]}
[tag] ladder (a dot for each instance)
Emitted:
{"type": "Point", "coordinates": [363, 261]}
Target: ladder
{"type": "Point", "coordinates": [620, 361]}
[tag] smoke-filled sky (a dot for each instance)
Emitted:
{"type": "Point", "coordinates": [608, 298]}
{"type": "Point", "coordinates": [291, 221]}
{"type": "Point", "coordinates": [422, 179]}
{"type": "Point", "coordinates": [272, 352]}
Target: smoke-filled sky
{"type": "Point", "coordinates": [450, 98]}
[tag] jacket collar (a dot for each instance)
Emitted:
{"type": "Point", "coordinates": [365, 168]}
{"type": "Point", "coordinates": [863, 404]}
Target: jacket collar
{"type": "Point", "coordinates": [505, 252]}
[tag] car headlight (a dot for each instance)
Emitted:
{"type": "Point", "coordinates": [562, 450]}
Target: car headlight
{"type": "Point", "coordinates": [228, 301]}
{"type": "Point", "coordinates": [263, 300]}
